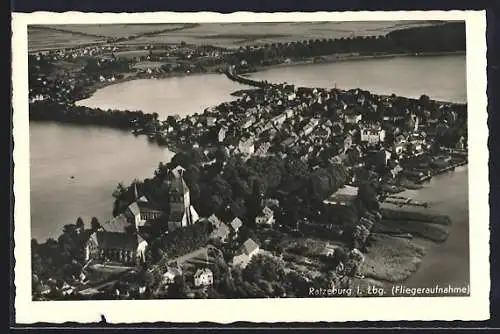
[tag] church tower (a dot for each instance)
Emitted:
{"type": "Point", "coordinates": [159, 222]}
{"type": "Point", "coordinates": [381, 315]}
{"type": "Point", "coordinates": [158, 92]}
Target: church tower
{"type": "Point", "coordinates": [182, 212]}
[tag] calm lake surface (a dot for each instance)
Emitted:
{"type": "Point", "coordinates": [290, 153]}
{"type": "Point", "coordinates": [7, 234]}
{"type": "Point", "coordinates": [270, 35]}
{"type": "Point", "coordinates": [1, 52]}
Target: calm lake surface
{"type": "Point", "coordinates": [448, 263]}
{"type": "Point", "coordinates": [171, 96]}
{"type": "Point", "coordinates": [442, 78]}
{"type": "Point", "coordinates": [99, 158]}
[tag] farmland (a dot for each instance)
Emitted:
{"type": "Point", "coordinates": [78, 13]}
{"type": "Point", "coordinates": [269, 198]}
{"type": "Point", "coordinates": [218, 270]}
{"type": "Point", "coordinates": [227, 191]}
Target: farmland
{"type": "Point", "coordinates": [41, 38]}
{"type": "Point", "coordinates": [115, 30]}
{"type": "Point", "coordinates": [230, 35]}
{"type": "Point", "coordinates": [241, 34]}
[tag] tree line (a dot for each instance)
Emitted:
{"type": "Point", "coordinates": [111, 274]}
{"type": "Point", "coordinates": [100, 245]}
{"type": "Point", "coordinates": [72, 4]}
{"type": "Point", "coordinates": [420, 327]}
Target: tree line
{"type": "Point", "coordinates": [448, 37]}
{"type": "Point", "coordinates": [123, 119]}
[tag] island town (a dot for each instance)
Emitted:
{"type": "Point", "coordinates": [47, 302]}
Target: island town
{"type": "Point", "coordinates": [281, 190]}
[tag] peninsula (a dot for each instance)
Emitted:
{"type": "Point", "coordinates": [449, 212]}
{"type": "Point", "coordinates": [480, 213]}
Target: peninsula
{"type": "Point", "coordinates": [284, 189]}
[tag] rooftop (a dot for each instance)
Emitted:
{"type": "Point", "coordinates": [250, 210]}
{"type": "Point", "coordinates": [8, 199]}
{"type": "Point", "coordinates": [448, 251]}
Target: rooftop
{"type": "Point", "coordinates": [343, 196]}
{"type": "Point", "coordinates": [118, 224]}
{"type": "Point", "coordinates": [115, 240]}
{"type": "Point", "coordinates": [249, 246]}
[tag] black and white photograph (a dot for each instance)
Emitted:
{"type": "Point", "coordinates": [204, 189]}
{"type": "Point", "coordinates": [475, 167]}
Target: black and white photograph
{"type": "Point", "coordinates": [251, 158]}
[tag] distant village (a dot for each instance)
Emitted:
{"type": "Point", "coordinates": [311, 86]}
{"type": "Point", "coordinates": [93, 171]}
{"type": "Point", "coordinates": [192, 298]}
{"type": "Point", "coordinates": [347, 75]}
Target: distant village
{"type": "Point", "coordinates": [180, 250]}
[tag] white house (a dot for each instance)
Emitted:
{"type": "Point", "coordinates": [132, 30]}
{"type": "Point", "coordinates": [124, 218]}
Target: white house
{"type": "Point", "coordinates": [236, 223]}
{"type": "Point", "coordinates": [221, 135]}
{"type": "Point", "coordinates": [246, 147]}
{"type": "Point", "coordinates": [171, 273]}
{"type": "Point", "coordinates": [203, 277]}
{"type": "Point", "coordinates": [352, 118]}
{"type": "Point", "coordinates": [211, 121]}
{"type": "Point", "coordinates": [266, 218]}
{"type": "Point", "coordinates": [246, 252]}
{"type": "Point", "coordinates": [289, 113]}
{"type": "Point", "coordinates": [372, 134]}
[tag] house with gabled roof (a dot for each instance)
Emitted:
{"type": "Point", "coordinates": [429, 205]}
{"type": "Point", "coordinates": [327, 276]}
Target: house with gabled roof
{"type": "Point", "coordinates": [142, 211]}
{"type": "Point", "coordinates": [118, 224]}
{"type": "Point", "coordinates": [352, 117]}
{"type": "Point", "coordinates": [171, 273]}
{"type": "Point", "coordinates": [236, 224]}
{"type": "Point", "coordinates": [221, 233]}
{"type": "Point", "coordinates": [125, 248]}
{"type": "Point", "coordinates": [245, 254]}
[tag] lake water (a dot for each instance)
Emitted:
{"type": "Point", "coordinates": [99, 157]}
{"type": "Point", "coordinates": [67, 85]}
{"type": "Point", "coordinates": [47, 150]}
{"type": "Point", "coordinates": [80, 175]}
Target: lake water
{"type": "Point", "coordinates": [99, 158]}
{"type": "Point", "coordinates": [177, 95]}
{"type": "Point", "coordinates": [447, 263]}
{"type": "Point", "coordinates": [442, 78]}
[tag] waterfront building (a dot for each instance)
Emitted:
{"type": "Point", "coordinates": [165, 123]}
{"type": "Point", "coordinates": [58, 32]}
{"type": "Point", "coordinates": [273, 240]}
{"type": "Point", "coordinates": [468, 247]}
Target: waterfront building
{"type": "Point", "coordinates": [210, 121]}
{"type": "Point", "coordinates": [345, 196]}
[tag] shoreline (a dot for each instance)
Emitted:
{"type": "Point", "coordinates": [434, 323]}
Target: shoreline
{"type": "Point", "coordinates": [89, 92]}
{"type": "Point", "coordinates": [337, 58]}
{"type": "Point", "coordinates": [447, 257]}
{"type": "Point", "coordinates": [170, 144]}
{"type": "Point", "coordinates": [331, 59]}
{"type": "Point", "coordinates": [137, 125]}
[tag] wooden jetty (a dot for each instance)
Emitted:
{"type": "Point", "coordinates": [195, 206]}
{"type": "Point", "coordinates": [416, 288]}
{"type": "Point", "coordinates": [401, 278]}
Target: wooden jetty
{"type": "Point", "coordinates": [402, 201]}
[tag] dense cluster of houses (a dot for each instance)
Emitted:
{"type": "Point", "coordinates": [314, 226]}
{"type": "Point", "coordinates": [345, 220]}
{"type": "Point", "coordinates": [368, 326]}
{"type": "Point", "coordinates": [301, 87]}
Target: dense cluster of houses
{"type": "Point", "coordinates": [353, 128]}
{"type": "Point", "coordinates": [348, 127]}
{"type": "Point", "coordinates": [59, 86]}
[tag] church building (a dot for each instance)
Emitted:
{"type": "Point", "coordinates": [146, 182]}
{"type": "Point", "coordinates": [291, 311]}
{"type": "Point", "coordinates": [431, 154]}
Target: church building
{"type": "Point", "coordinates": [182, 213]}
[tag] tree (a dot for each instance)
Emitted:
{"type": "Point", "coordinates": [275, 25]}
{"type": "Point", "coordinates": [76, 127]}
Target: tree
{"type": "Point", "coordinates": [178, 289]}
{"type": "Point", "coordinates": [367, 195]}
{"type": "Point", "coordinates": [94, 224]}
{"type": "Point", "coordinates": [79, 223]}
{"type": "Point", "coordinates": [181, 159]}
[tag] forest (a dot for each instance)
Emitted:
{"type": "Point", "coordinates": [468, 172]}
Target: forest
{"type": "Point", "coordinates": [448, 37]}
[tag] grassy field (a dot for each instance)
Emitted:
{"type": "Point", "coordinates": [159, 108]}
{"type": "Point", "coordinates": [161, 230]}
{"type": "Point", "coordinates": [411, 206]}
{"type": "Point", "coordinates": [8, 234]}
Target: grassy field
{"type": "Point", "coordinates": [392, 259]}
{"type": "Point", "coordinates": [231, 35]}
